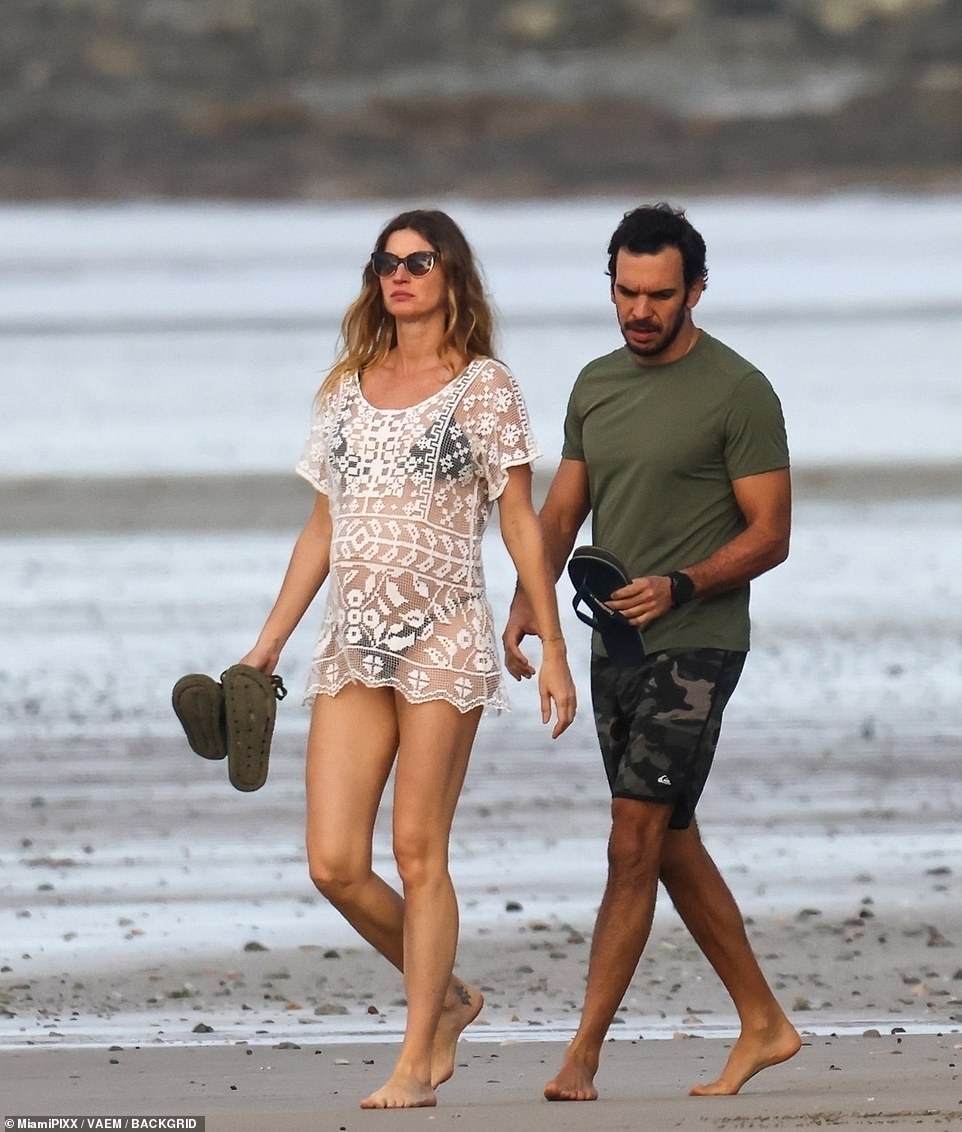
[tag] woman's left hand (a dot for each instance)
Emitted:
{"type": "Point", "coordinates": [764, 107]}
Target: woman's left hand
{"type": "Point", "coordinates": [556, 687]}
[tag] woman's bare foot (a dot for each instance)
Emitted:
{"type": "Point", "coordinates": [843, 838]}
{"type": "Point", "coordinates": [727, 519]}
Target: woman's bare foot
{"type": "Point", "coordinates": [461, 1007]}
{"type": "Point", "coordinates": [574, 1080]}
{"type": "Point", "coordinates": [752, 1053]}
{"type": "Point", "coordinates": [401, 1091]}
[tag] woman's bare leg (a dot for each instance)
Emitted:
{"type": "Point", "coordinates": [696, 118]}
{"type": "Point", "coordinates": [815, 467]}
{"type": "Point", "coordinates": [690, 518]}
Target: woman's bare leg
{"type": "Point", "coordinates": [347, 769]}
{"type": "Point", "coordinates": [435, 745]}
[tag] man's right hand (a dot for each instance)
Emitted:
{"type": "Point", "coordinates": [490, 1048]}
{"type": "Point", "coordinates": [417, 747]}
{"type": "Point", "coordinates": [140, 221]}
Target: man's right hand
{"type": "Point", "coordinates": [520, 624]}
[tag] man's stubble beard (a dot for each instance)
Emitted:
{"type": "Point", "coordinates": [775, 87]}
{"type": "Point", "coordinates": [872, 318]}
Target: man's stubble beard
{"type": "Point", "coordinates": [663, 344]}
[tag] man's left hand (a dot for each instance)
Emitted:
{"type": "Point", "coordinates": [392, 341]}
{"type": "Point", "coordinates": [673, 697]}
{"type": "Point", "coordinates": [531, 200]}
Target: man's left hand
{"type": "Point", "coordinates": [642, 600]}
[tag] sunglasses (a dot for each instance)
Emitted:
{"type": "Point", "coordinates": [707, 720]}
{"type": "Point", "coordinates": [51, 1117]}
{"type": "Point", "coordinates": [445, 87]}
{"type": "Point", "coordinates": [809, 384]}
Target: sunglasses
{"type": "Point", "coordinates": [417, 264]}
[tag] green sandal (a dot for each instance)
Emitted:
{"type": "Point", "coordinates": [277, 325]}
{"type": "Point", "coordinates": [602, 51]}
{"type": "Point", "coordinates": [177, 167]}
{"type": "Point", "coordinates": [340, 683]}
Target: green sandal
{"type": "Point", "coordinates": [250, 708]}
{"type": "Point", "coordinates": [199, 705]}
{"type": "Point", "coordinates": [233, 719]}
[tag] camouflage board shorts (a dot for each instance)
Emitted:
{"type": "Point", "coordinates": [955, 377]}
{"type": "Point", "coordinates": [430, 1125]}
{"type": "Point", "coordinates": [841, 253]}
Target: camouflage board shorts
{"type": "Point", "coordinates": [658, 723]}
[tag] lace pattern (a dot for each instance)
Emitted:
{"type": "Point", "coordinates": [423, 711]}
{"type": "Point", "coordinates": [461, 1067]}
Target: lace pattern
{"type": "Point", "coordinates": [410, 493]}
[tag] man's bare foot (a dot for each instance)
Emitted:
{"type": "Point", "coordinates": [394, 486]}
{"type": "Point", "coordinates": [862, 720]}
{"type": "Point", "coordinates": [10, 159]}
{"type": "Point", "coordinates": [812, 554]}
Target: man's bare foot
{"type": "Point", "coordinates": [574, 1081]}
{"type": "Point", "coordinates": [462, 1006]}
{"type": "Point", "coordinates": [750, 1055]}
{"type": "Point", "coordinates": [401, 1091]}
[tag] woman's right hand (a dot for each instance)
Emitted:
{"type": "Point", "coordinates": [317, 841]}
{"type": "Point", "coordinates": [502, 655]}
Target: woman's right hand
{"type": "Point", "coordinates": [262, 657]}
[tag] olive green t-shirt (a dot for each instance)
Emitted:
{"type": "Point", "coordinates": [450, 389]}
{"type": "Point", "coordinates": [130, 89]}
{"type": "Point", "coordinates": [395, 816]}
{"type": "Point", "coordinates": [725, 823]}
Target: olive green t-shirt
{"type": "Point", "coordinates": [662, 444]}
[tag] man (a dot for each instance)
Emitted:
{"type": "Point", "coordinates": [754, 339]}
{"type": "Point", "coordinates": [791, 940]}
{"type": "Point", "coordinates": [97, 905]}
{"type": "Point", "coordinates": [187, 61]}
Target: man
{"type": "Point", "coordinates": [677, 447]}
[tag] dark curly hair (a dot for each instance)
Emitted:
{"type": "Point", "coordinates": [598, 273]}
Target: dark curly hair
{"type": "Point", "coordinates": [648, 229]}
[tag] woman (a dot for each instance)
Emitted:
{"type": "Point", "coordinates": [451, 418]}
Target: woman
{"type": "Point", "coordinates": [416, 431]}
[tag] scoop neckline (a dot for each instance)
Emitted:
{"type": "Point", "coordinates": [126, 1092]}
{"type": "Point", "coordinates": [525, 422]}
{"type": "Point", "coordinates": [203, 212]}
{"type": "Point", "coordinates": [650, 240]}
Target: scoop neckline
{"type": "Point", "coordinates": [416, 404]}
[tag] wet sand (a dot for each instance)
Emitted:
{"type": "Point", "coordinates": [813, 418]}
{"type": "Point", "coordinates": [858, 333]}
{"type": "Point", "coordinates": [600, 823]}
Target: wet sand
{"type": "Point", "coordinates": [886, 1082]}
{"type": "Point", "coordinates": [163, 951]}
{"type": "Point", "coordinates": [279, 501]}
{"type": "Point", "coordinates": [146, 905]}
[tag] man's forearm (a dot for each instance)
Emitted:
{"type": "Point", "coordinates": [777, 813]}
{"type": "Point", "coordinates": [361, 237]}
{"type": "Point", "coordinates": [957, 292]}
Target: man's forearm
{"type": "Point", "coordinates": [559, 541]}
{"type": "Point", "coordinates": [749, 554]}
{"type": "Point", "coordinates": [765, 501]}
{"type": "Point", "coordinates": [558, 544]}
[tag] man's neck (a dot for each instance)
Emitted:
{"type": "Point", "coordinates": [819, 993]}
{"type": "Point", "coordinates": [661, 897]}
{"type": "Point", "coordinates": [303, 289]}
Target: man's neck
{"type": "Point", "coordinates": [680, 348]}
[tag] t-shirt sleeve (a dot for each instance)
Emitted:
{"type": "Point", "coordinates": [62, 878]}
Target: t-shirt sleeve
{"type": "Point", "coordinates": [573, 447]}
{"type": "Point", "coordinates": [313, 462]}
{"type": "Point", "coordinates": [495, 419]}
{"type": "Point", "coordinates": [755, 438]}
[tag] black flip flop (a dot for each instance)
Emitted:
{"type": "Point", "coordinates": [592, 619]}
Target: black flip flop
{"type": "Point", "coordinates": [596, 573]}
{"type": "Point", "coordinates": [250, 708]}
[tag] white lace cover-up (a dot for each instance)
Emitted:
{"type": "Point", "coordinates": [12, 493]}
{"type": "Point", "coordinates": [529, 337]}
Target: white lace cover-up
{"type": "Point", "coordinates": [410, 492]}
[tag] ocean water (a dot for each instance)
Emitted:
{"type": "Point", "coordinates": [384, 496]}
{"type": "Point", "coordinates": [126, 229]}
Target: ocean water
{"type": "Point", "coordinates": [189, 340]}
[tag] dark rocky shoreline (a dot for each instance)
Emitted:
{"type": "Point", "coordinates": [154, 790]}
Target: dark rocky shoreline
{"type": "Point", "coordinates": [101, 99]}
{"type": "Point", "coordinates": [280, 501]}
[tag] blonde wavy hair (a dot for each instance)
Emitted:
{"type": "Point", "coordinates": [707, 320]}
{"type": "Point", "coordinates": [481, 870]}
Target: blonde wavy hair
{"type": "Point", "coordinates": [368, 332]}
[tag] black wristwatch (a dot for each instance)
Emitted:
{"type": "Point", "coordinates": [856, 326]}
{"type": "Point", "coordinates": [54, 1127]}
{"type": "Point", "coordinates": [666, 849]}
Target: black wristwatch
{"type": "Point", "coordinates": [682, 588]}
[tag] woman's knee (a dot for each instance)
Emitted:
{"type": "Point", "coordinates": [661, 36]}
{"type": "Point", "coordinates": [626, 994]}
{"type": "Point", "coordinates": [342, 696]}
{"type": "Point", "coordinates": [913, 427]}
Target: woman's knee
{"type": "Point", "coordinates": [334, 874]}
{"type": "Point", "coordinates": [420, 861]}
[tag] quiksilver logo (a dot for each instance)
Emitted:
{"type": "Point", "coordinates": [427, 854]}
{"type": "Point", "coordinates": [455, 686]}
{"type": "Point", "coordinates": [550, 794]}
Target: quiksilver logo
{"type": "Point", "coordinates": [664, 780]}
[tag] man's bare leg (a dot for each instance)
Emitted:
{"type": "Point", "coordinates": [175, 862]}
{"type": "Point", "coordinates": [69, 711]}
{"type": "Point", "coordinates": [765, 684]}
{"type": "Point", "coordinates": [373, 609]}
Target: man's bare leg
{"type": "Point", "coordinates": [709, 911]}
{"type": "Point", "coordinates": [620, 934]}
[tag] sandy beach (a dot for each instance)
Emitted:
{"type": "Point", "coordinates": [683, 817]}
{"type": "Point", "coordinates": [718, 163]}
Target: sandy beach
{"type": "Point", "coordinates": [891, 1082]}
{"type": "Point", "coordinates": [162, 950]}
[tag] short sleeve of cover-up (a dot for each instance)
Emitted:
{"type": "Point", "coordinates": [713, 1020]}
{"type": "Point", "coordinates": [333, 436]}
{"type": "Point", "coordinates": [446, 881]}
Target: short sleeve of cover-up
{"type": "Point", "coordinates": [494, 417]}
{"type": "Point", "coordinates": [313, 462]}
